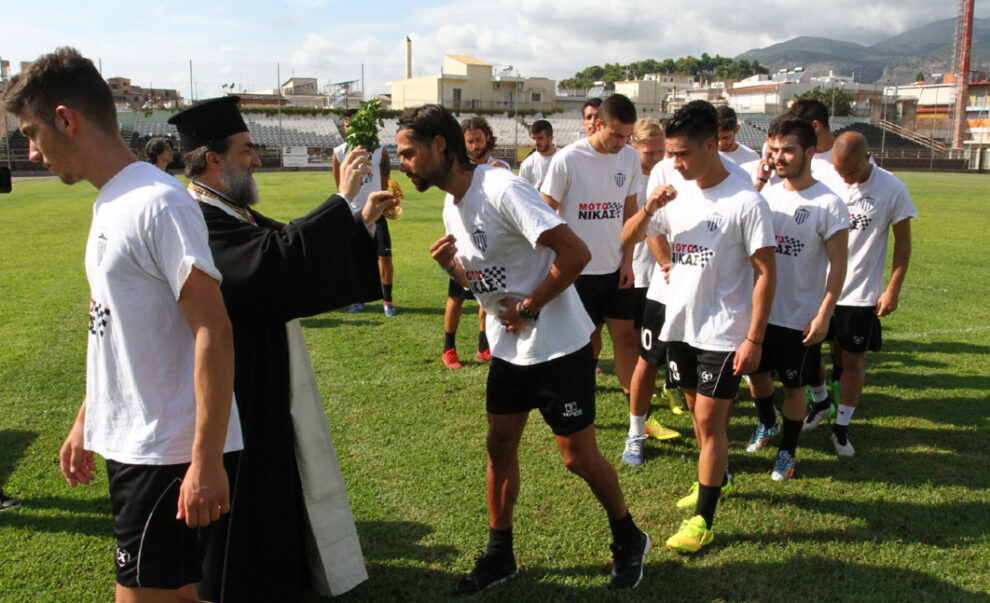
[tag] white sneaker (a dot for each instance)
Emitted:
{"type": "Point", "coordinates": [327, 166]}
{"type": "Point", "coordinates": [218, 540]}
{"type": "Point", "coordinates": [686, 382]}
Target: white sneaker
{"type": "Point", "coordinates": [843, 450]}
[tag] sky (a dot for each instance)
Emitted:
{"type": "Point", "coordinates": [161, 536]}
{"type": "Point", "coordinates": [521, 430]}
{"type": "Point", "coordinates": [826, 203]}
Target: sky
{"type": "Point", "coordinates": [251, 45]}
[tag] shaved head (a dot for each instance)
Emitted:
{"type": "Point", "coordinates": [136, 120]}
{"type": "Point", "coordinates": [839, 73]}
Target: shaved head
{"type": "Point", "coordinates": [851, 157]}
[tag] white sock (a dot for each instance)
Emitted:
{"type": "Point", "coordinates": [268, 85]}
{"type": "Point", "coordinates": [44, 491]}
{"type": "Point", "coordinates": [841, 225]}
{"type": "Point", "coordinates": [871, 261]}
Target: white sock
{"type": "Point", "coordinates": [637, 425]}
{"type": "Point", "coordinates": [819, 393]}
{"type": "Point", "coordinates": [844, 415]}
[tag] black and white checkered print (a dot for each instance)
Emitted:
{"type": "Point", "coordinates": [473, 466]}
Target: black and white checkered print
{"type": "Point", "coordinates": [494, 277]}
{"type": "Point", "coordinates": [789, 246]}
{"type": "Point", "coordinates": [859, 221]}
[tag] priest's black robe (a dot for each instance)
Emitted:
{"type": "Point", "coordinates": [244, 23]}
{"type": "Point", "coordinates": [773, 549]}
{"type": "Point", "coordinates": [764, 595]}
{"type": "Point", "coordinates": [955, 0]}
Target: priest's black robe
{"type": "Point", "coordinates": [273, 273]}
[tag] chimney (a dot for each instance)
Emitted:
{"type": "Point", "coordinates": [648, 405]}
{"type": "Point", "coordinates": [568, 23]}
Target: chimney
{"type": "Point", "coordinates": [408, 58]}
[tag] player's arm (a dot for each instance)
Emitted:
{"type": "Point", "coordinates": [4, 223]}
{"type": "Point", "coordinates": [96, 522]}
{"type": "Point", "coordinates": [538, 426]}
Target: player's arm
{"type": "Point", "coordinates": [572, 255]}
{"type": "Point", "coordinates": [444, 251]}
{"type": "Point", "coordinates": [837, 249]}
{"type": "Point", "coordinates": [204, 492]}
{"type": "Point", "coordinates": [553, 203]}
{"type": "Point", "coordinates": [385, 168]}
{"type": "Point", "coordinates": [634, 228]}
{"type": "Point", "coordinates": [76, 462]}
{"type": "Point", "coordinates": [902, 255]}
{"type": "Point", "coordinates": [660, 248]}
{"type": "Point", "coordinates": [765, 281]}
{"type": "Point", "coordinates": [336, 169]}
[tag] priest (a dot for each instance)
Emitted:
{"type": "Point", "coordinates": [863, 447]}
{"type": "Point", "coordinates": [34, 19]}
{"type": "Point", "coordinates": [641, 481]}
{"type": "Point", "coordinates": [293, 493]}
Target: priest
{"type": "Point", "coordinates": [290, 526]}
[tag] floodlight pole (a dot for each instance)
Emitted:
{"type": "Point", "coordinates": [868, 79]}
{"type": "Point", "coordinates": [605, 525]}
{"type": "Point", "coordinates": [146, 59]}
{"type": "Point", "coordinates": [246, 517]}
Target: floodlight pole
{"type": "Point", "coordinates": [278, 103]}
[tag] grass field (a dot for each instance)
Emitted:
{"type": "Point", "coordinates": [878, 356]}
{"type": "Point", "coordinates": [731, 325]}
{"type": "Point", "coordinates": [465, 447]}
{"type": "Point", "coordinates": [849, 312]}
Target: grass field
{"type": "Point", "coordinates": [907, 519]}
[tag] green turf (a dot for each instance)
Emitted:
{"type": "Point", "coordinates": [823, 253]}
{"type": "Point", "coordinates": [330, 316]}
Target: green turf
{"type": "Point", "coordinates": [907, 519]}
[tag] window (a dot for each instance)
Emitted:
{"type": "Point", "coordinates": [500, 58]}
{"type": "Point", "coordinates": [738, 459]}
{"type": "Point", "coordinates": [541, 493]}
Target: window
{"type": "Point", "coordinates": [536, 97]}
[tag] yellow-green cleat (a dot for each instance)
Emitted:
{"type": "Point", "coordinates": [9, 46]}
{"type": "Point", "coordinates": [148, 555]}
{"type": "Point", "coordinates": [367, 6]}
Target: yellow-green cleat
{"type": "Point", "coordinates": [691, 499]}
{"type": "Point", "coordinates": [693, 535]}
{"type": "Point", "coordinates": [655, 430]}
{"type": "Point", "coordinates": [675, 399]}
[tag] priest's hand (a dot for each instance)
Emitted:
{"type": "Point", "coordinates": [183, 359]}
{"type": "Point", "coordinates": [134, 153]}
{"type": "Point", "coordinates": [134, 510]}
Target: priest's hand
{"type": "Point", "coordinates": [356, 165]}
{"type": "Point", "coordinates": [378, 202]}
{"type": "Point", "coordinates": [204, 494]}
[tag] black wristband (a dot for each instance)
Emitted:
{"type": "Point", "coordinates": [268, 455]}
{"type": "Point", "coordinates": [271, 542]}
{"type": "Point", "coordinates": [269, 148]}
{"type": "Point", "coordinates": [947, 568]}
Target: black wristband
{"type": "Point", "coordinates": [762, 179]}
{"type": "Point", "coordinates": [525, 313]}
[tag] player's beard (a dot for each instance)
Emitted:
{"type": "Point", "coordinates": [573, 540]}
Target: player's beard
{"type": "Point", "coordinates": [239, 186]}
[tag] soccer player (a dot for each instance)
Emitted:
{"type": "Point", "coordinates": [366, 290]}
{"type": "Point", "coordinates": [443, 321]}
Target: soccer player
{"type": "Point", "coordinates": [811, 225]}
{"type": "Point", "coordinates": [721, 289]}
{"type": "Point", "coordinates": [589, 115]}
{"type": "Point", "coordinates": [728, 127]}
{"type": "Point", "coordinates": [160, 358]}
{"type": "Point", "coordinates": [877, 203]}
{"type": "Point", "coordinates": [376, 181]}
{"type": "Point", "coordinates": [593, 185]}
{"type": "Point", "coordinates": [160, 152]}
{"type": "Point", "coordinates": [520, 259]}
{"type": "Point", "coordinates": [480, 142]}
{"type": "Point", "coordinates": [816, 113]}
{"type": "Point", "coordinates": [535, 166]}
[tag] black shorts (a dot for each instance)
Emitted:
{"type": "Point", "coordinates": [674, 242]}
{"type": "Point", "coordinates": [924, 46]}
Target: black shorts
{"type": "Point", "coordinates": [455, 290]}
{"type": "Point", "coordinates": [651, 349]}
{"type": "Point", "coordinates": [154, 549]}
{"type": "Point", "coordinates": [796, 364]}
{"type": "Point", "coordinates": [855, 328]}
{"type": "Point", "coordinates": [708, 372]}
{"type": "Point", "coordinates": [603, 299]}
{"type": "Point", "coordinates": [639, 306]}
{"type": "Point", "coordinates": [563, 389]}
{"type": "Point", "coordinates": [383, 240]}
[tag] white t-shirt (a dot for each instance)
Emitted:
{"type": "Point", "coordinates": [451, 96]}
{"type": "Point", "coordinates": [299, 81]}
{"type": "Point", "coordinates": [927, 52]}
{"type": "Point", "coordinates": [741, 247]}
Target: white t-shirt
{"type": "Point", "coordinates": [147, 235]}
{"type": "Point", "coordinates": [874, 206]}
{"type": "Point", "coordinates": [370, 183]}
{"type": "Point", "coordinates": [713, 233]}
{"type": "Point", "coordinates": [643, 261]}
{"type": "Point", "coordinates": [823, 170]}
{"type": "Point", "coordinates": [591, 188]}
{"type": "Point", "coordinates": [741, 155]}
{"type": "Point", "coordinates": [497, 224]}
{"type": "Point", "coordinates": [753, 169]}
{"type": "Point", "coordinates": [534, 168]}
{"type": "Point", "coordinates": [802, 222]}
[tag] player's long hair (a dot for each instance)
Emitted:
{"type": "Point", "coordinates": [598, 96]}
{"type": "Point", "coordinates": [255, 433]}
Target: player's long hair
{"type": "Point", "coordinates": [428, 121]}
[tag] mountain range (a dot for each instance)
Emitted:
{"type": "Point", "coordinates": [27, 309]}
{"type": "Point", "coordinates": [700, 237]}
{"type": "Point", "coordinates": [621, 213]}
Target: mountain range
{"type": "Point", "coordinates": [896, 60]}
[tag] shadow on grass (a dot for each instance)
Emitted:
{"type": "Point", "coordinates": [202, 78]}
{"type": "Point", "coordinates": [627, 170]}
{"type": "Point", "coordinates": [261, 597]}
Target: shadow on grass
{"type": "Point", "coordinates": [13, 444]}
{"type": "Point", "coordinates": [56, 514]}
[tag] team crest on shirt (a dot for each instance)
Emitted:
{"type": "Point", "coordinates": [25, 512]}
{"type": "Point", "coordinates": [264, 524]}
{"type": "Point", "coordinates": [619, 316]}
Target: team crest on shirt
{"type": "Point", "coordinates": [480, 240]}
{"type": "Point", "coordinates": [620, 179]}
{"type": "Point", "coordinates": [366, 179]}
{"type": "Point", "coordinates": [801, 215]}
{"type": "Point", "coordinates": [867, 202]}
{"type": "Point", "coordinates": [101, 247]}
{"type": "Point", "coordinates": [714, 221]}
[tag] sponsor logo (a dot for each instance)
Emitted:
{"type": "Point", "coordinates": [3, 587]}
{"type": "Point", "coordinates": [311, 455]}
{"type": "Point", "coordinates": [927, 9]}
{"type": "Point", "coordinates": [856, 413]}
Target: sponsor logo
{"type": "Point", "coordinates": [480, 240]}
{"type": "Point", "coordinates": [675, 373]}
{"type": "Point", "coordinates": [789, 246]}
{"type": "Point", "coordinates": [690, 254]}
{"type": "Point", "coordinates": [98, 318]}
{"type": "Point", "coordinates": [859, 221]}
{"type": "Point", "coordinates": [600, 211]}
{"type": "Point", "coordinates": [620, 179]}
{"type": "Point", "coordinates": [706, 376]}
{"type": "Point", "coordinates": [122, 556]}
{"type": "Point", "coordinates": [791, 374]}
{"type": "Point", "coordinates": [714, 221]}
{"type": "Point", "coordinates": [571, 409]}
{"type": "Point", "coordinates": [801, 215]}
{"type": "Point", "coordinates": [858, 339]}
{"type": "Point", "coordinates": [486, 280]}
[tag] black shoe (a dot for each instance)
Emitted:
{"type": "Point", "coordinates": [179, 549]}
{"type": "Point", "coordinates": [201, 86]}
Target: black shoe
{"type": "Point", "coordinates": [8, 502]}
{"type": "Point", "coordinates": [627, 562]}
{"type": "Point", "coordinates": [488, 571]}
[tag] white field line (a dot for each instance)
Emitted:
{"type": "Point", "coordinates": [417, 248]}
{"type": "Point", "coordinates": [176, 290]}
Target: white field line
{"type": "Point", "coordinates": [924, 334]}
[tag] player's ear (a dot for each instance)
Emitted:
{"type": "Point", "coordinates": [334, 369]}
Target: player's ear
{"type": "Point", "coordinates": [439, 143]}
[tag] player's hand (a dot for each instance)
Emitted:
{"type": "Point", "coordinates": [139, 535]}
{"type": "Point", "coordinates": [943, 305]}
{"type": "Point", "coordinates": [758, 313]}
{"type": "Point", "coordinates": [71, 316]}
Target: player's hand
{"type": "Point", "coordinates": [444, 252]}
{"type": "Point", "coordinates": [627, 278]}
{"type": "Point", "coordinates": [887, 303]}
{"type": "Point", "coordinates": [77, 464]}
{"type": "Point", "coordinates": [747, 358]}
{"type": "Point", "coordinates": [815, 331]}
{"type": "Point", "coordinates": [204, 494]}
{"type": "Point", "coordinates": [508, 314]}
{"type": "Point", "coordinates": [763, 172]}
{"type": "Point", "coordinates": [377, 203]}
{"type": "Point", "coordinates": [666, 272]}
{"type": "Point", "coordinates": [660, 196]}
{"type": "Point", "coordinates": [355, 167]}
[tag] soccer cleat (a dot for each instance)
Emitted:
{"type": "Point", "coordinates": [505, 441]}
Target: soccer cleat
{"type": "Point", "coordinates": [816, 416]}
{"type": "Point", "coordinates": [483, 355]}
{"type": "Point", "coordinates": [633, 453]}
{"type": "Point", "coordinates": [627, 563]}
{"type": "Point", "coordinates": [761, 436]}
{"type": "Point", "coordinates": [488, 571]}
{"type": "Point", "coordinates": [389, 309]}
{"type": "Point", "coordinates": [691, 499]}
{"type": "Point", "coordinates": [450, 359]}
{"type": "Point", "coordinates": [843, 449]}
{"type": "Point", "coordinates": [675, 399]}
{"type": "Point", "coordinates": [8, 502]}
{"type": "Point", "coordinates": [783, 467]}
{"type": "Point", "coordinates": [693, 535]}
{"type": "Point", "coordinates": [655, 430]}
{"type": "Point", "coordinates": [356, 308]}
{"type": "Point", "coordinates": [833, 386]}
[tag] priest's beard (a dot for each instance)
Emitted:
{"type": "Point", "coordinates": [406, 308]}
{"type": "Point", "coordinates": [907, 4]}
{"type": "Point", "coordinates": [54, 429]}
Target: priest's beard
{"type": "Point", "coordinates": [239, 186]}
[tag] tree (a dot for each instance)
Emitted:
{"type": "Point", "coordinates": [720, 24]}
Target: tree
{"type": "Point", "coordinates": [707, 67]}
{"type": "Point", "coordinates": [838, 101]}
{"type": "Point", "coordinates": [920, 77]}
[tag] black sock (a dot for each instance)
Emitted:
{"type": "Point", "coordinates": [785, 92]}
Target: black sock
{"type": "Point", "coordinates": [840, 431]}
{"type": "Point", "coordinates": [820, 406]}
{"type": "Point", "coordinates": [500, 543]}
{"type": "Point", "coordinates": [764, 409]}
{"type": "Point", "coordinates": [623, 530]}
{"type": "Point", "coordinates": [836, 373]}
{"type": "Point", "coordinates": [482, 341]}
{"type": "Point", "coordinates": [707, 500]}
{"type": "Point", "coordinates": [789, 439]}
{"type": "Point", "coordinates": [387, 293]}
{"type": "Point", "coordinates": [448, 341]}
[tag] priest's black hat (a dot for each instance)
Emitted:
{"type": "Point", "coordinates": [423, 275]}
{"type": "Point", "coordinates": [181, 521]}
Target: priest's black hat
{"type": "Point", "coordinates": [208, 121]}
